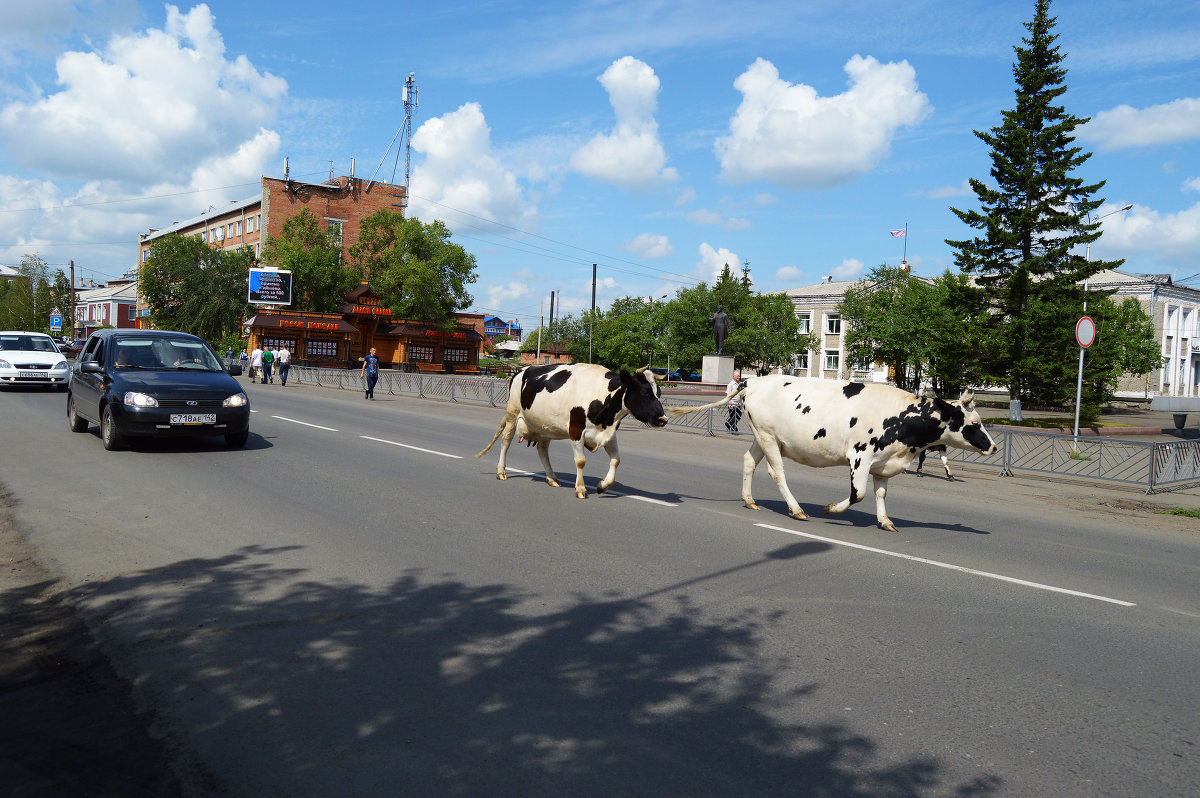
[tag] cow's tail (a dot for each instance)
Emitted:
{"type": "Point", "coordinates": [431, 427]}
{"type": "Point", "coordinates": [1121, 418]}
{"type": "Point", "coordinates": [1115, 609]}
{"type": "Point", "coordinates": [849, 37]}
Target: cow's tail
{"type": "Point", "coordinates": [495, 438]}
{"type": "Point", "coordinates": [726, 399]}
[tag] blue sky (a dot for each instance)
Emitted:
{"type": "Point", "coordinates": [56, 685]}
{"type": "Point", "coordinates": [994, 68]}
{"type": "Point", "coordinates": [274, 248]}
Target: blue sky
{"type": "Point", "coordinates": [659, 140]}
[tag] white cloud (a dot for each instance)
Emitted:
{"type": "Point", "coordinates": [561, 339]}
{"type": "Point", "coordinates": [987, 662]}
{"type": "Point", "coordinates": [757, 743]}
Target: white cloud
{"type": "Point", "coordinates": [631, 155]}
{"type": "Point", "coordinates": [150, 106]}
{"type": "Point", "coordinates": [501, 295]}
{"type": "Point", "coordinates": [1126, 126]}
{"type": "Point", "coordinates": [848, 269]}
{"type": "Point", "coordinates": [650, 245]}
{"type": "Point", "coordinates": [461, 181]}
{"type": "Point", "coordinates": [713, 261]}
{"type": "Point", "coordinates": [685, 196]}
{"type": "Point", "coordinates": [1192, 185]}
{"type": "Point", "coordinates": [788, 273]}
{"type": "Point", "coordinates": [963, 189]}
{"type": "Point", "coordinates": [787, 134]}
{"type": "Point", "coordinates": [705, 216]}
{"type": "Point", "coordinates": [1144, 234]}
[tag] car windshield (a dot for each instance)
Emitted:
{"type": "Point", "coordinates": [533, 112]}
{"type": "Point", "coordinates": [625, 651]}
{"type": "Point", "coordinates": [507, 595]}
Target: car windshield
{"type": "Point", "coordinates": [164, 353]}
{"type": "Point", "coordinates": [27, 343]}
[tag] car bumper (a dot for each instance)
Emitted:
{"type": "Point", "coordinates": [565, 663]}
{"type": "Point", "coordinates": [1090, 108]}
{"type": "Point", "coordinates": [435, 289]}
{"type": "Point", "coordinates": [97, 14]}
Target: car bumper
{"type": "Point", "coordinates": [29, 377]}
{"type": "Point", "coordinates": [157, 421]}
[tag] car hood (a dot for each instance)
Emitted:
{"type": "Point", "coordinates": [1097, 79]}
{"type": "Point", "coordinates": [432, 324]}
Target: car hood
{"type": "Point", "coordinates": [25, 358]}
{"type": "Point", "coordinates": [178, 384]}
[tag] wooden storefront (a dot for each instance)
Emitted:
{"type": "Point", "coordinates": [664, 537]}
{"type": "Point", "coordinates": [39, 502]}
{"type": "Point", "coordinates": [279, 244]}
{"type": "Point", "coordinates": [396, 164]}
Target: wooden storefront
{"type": "Point", "coordinates": [314, 339]}
{"type": "Point", "coordinates": [342, 339]}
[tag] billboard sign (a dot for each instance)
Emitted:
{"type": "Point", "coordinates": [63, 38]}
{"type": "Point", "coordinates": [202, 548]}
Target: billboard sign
{"type": "Point", "coordinates": [270, 287]}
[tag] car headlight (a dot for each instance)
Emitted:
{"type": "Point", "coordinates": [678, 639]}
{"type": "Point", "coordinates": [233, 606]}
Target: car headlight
{"type": "Point", "coordinates": [135, 399]}
{"type": "Point", "coordinates": [60, 366]}
{"type": "Point", "coordinates": [4, 364]}
{"type": "Point", "coordinates": [237, 400]}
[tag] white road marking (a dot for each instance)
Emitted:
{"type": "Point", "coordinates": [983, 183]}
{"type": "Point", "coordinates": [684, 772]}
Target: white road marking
{"type": "Point", "coordinates": [645, 499]}
{"type": "Point", "coordinates": [951, 567]}
{"type": "Point", "coordinates": [304, 423]}
{"type": "Point", "coordinates": [415, 448]}
{"type": "Point", "coordinates": [1181, 612]}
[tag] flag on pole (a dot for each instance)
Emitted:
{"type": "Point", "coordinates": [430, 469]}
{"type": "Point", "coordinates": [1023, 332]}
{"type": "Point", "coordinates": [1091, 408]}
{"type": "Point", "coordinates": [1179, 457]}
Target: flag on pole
{"type": "Point", "coordinates": [899, 233]}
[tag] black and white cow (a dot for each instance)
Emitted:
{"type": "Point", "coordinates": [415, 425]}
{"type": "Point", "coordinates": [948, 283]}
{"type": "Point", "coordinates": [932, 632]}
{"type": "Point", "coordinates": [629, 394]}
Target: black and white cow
{"type": "Point", "coordinates": [939, 450]}
{"type": "Point", "coordinates": [583, 403]}
{"type": "Point", "coordinates": [875, 429]}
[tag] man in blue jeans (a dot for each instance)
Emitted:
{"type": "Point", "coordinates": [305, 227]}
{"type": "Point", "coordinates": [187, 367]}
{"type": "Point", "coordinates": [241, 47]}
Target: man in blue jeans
{"type": "Point", "coordinates": [370, 372]}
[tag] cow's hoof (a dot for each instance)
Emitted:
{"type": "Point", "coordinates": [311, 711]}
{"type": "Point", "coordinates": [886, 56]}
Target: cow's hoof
{"type": "Point", "coordinates": [800, 515]}
{"type": "Point", "coordinates": [581, 494]}
{"type": "Point", "coordinates": [600, 490]}
{"type": "Point", "coordinates": [829, 509]}
{"type": "Point", "coordinates": [501, 476]}
{"type": "Point", "coordinates": [751, 506]}
{"type": "Point", "coordinates": [887, 526]}
{"type": "Point", "coordinates": [552, 483]}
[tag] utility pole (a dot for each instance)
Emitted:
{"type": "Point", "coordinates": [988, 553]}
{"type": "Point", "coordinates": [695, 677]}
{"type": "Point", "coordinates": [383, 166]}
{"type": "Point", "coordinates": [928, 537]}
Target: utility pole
{"type": "Point", "coordinates": [592, 320]}
{"type": "Point", "coordinates": [72, 298]}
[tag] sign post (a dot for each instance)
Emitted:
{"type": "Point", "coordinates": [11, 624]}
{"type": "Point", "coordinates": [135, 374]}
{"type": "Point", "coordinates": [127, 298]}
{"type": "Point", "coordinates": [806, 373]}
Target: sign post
{"type": "Point", "coordinates": [1085, 335]}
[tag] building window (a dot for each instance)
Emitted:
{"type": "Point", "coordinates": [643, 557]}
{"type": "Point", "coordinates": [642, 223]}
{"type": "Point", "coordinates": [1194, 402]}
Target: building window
{"type": "Point", "coordinates": [258, 221]}
{"type": "Point", "coordinates": [221, 233]}
{"type": "Point", "coordinates": [420, 353]}
{"type": "Point", "coordinates": [833, 360]}
{"type": "Point", "coordinates": [833, 324]}
{"type": "Point", "coordinates": [802, 362]}
{"type": "Point", "coordinates": [335, 230]}
{"type": "Point", "coordinates": [456, 355]}
{"type": "Point", "coordinates": [805, 320]}
{"type": "Point", "coordinates": [275, 344]}
{"type": "Point", "coordinates": [250, 225]}
{"type": "Point", "coordinates": [132, 312]}
{"type": "Point", "coordinates": [319, 348]}
{"type": "Point", "coordinates": [239, 227]}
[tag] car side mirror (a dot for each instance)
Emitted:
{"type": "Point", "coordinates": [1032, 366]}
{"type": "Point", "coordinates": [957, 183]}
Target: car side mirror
{"type": "Point", "coordinates": [92, 367]}
{"type": "Point", "coordinates": [235, 369]}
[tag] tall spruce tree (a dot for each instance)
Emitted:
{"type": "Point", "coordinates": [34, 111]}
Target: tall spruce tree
{"type": "Point", "coordinates": [1035, 222]}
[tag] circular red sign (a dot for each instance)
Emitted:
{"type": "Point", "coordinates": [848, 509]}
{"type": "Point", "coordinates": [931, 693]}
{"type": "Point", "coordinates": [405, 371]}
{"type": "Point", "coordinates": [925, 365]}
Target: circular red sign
{"type": "Point", "coordinates": [1085, 331]}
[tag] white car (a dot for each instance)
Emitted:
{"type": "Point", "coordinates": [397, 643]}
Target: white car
{"type": "Point", "coordinates": [31, 358]}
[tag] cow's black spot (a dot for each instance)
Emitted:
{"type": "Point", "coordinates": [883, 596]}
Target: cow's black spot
{"type": "Point", "coordinates": [853, 420]}
{"type": "Point", "coordinates": [806, 408]}
{"type": "Point", "coordinates": [860, 447]}
{"type": "Point", "coordinates": [853, 389]}
{"type": "Point", "coordinates": [857, 463]}
{"type": "Point", "coordinates": [820, 433]}
{"type": "Point", "coordinates": [542, 378]}
{"type": "Point", "coordinates": [577, 424]}
{"type": "Point", "coordinates": [603, 413]}
{"type": "Point", "coordinates": [917, 425]}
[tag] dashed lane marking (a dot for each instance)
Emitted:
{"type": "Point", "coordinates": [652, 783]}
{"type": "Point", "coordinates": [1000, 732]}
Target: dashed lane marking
{"type": "Point", "coordinates": [950, 566]}
{"type": "Point", "coordinates": [304, 423]}
{"type": "Point", "coordinates": [414, 448]}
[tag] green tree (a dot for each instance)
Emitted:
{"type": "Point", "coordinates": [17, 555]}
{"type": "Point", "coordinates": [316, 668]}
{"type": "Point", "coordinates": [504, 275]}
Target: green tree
{"type": "Point", "coordinates": [415, 267]}
{"type": "Point", "coordinates": [1034, 220]}
{"type": "Point", "coordinates": [320, 281]}
{"type": "Point", "coordinates": [192, 287]}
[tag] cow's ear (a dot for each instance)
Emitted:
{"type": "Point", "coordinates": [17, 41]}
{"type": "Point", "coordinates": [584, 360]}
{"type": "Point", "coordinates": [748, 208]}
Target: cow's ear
{"type": "Point", "coordinates": [967, 399]}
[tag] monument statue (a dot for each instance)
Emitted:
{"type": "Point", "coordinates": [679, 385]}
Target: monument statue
{"type": "Point", "coordinates": [721, 328]}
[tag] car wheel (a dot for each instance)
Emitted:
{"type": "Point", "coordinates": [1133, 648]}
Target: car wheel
{"type": "Point", "coordinates": [237, 440]}
{"type": "Point", "coordinates": [108, 431]}
{"type": "Point", "coordinates": [78, 423]}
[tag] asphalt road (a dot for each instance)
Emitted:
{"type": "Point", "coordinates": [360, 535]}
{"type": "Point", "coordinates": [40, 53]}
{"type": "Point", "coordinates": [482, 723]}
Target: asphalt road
{"type": "Point", "coordinates": [354, 605]}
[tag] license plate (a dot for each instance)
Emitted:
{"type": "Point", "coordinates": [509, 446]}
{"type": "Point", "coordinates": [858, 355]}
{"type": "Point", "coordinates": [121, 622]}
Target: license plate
{"type": "Point", "coordinates": [193, 418]}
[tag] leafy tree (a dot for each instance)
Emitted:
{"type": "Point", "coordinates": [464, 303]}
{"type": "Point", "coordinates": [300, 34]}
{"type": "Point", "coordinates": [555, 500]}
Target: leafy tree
{"type": "Point", "coordinates": [883, 319]}
{"type": "Point", "coordinates": [320, 281]}
{"type": "Point", "coordinates": [415, 267]}
{"type": "Point", "coordinates": [192, 287]}
{"type": "Point", "coordinates": [1034, 220]}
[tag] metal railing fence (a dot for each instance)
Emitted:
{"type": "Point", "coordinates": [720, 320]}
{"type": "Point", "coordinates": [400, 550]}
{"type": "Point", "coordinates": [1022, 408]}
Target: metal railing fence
{"type": "Point", "coordinates": [1155, 465]}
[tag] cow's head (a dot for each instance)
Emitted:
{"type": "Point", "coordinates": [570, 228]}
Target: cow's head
{"type": "Point", "coordinates": [964, 428]}
{"type": "Point", "coordinates": [642, 397]}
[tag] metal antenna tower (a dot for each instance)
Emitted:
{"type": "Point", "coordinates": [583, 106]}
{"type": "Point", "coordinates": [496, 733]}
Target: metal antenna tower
{"type": "Point", "coordinates": [411, 90]}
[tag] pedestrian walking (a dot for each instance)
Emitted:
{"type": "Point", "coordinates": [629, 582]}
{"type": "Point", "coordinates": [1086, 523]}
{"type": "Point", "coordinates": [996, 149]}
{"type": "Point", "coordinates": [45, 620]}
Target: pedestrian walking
{"type": "Point", "coordinates": [285, 364]}
{"type": "Point", "coordinates": [735, 406]}
{"type": "Point", "coordinates": [228, 356]}
{"type": "Point", "coordinates": [370, 373]}
{"type": "Point", "coordinates": [255, 363]}
{"type": "Point", "coordinates": [268, 357]}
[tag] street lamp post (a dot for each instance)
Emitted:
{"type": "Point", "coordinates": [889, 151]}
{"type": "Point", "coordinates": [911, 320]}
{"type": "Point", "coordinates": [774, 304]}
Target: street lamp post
{"type": "Point", "coordinates": [1087, 256]}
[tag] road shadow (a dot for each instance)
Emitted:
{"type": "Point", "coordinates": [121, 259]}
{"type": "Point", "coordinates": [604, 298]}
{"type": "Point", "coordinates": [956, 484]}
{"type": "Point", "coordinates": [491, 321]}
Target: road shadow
{"type": "Point", "coordinates": [431, 686]}
{"type": "Point", "coordinates": [203, 443]}
{"type": "Point", "coordinates": [860, 518]}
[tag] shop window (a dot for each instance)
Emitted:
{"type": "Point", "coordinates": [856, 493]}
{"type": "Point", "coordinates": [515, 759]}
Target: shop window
{"type": "Point", "coordinates": [275, 344]}
{"type": "Point", "coordinates": [456, 356]}
{"type": "Point", "coordinates": [420, 353]}
{"type": "Point", "coordinates": [319, 348]}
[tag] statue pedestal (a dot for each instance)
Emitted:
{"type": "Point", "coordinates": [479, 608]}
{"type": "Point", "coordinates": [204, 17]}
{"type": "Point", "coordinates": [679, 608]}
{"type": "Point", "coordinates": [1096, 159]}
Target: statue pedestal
{"type": "Point", "coordinates": [717, 368]}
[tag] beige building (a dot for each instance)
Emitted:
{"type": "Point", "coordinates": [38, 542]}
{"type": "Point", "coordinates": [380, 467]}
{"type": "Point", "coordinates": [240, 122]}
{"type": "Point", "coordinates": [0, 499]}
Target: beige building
{"type": "Point", "coordinates": [1173, 308]}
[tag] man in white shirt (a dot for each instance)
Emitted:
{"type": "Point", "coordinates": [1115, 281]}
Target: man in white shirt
{"type": "Point", "coordinates": [255, 362]}
{"type": "Point", "coordinates": [735, 407]}
{"type": "Point", "coordinates": [284, 358]}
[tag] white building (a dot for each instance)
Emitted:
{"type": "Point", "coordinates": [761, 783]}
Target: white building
{"type": "Point", "coordinates": [1173, 308]}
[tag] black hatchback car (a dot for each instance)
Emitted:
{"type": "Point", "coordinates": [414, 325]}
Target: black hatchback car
{"type": "Point", "coordinates": [155, 383]}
